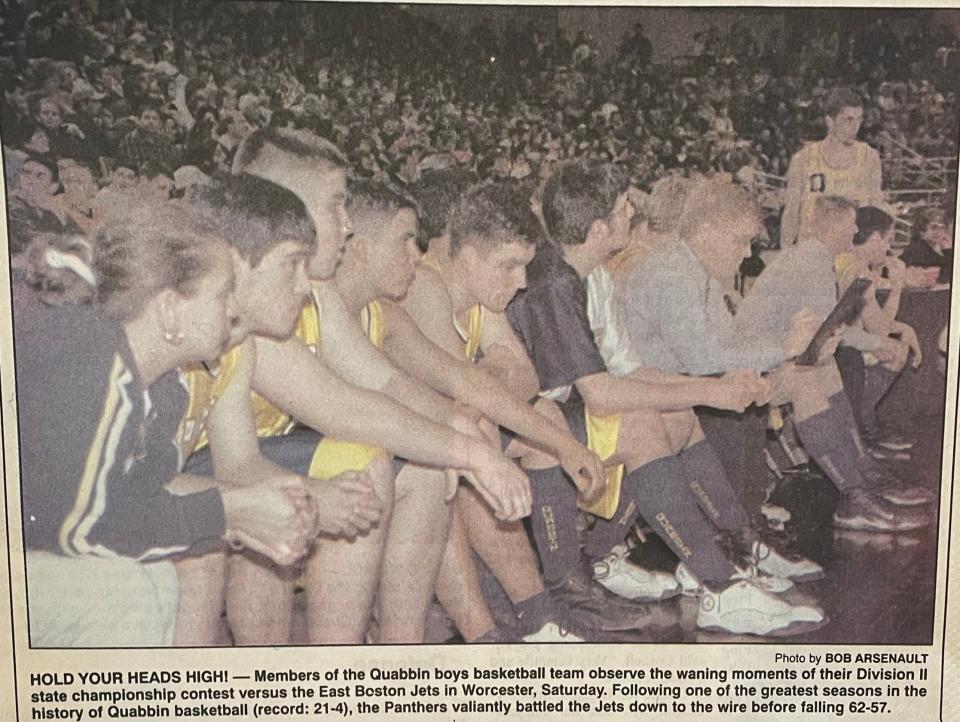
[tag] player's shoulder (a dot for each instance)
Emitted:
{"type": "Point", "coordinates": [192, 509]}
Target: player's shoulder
{"type": "Point", "coordinates": [427, 284]}
{"type": "Point", "coordinates": [805, 151]}
{"type": "Point", "coordinates": [870, 152]}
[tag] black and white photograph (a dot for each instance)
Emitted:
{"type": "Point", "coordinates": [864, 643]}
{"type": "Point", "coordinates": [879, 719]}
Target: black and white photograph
{"type": "Point", "coordinates": [367, 324]}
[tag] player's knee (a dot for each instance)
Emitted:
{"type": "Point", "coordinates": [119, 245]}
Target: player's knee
{"type": "Point", "coordinates": [680, 426]}
{"type": "Point", "coordinates": [380, 473]}
{"type": "Point", "coordinates": [427, 486]}
{"type": "Point", "coordinates": [643, 438]}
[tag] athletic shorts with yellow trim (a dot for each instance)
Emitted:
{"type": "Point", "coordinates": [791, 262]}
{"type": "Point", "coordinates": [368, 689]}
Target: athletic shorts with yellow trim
{"type": "Point", "coordinates": [302, 451]}
{"type": "Point", "coordinates": [600, 434]}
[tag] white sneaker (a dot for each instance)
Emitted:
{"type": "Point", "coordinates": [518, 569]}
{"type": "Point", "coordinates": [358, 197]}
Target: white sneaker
{"type": "Point", "coordinates": [770, 561]}
{"type": "Point", "coordinates": [550, 633]}
{"type": "Point", "coordinates": [690, 585]}
{"type": "Point", "coordinates": [771, 584]}
{"type": "Point", "coordinates": [745, 609]}
{"type": "Point", "coordinates": [629, 581]}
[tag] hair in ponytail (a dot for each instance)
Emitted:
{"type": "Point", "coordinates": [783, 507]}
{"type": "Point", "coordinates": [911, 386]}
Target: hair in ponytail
{"type": "Point", "coordinates": [59, 269]}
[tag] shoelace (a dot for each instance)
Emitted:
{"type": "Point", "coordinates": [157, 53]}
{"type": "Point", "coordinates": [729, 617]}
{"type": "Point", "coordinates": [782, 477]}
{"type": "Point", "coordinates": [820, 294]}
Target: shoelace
{"type": "Point", "coordinates": [750, 573]}
{"type": "Point", "coordinates": [696, 591]}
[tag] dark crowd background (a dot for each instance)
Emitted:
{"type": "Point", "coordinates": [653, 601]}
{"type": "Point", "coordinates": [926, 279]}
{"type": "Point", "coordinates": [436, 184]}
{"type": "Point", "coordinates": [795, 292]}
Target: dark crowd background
{"type": "Point", "coordinates": [150, 97]}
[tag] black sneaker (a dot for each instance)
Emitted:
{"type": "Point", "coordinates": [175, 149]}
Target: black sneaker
{"type": "Point", "coordinates": [893, 490]}
{"type": "Point", "coordinates": [888, 440]}
{"type": "Point", "coordinates": [498, 635]}
{"type": "Point", "coordinates": [861, 512]}
{"type": "Point", "coordinates": [590, 605]}
{"type": "Point", "coordinates": [881, 453]}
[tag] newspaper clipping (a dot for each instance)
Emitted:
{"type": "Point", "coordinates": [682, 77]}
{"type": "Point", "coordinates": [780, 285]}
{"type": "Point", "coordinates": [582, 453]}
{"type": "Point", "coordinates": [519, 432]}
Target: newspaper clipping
{"type": "Point", "coordinates": [470, 362]}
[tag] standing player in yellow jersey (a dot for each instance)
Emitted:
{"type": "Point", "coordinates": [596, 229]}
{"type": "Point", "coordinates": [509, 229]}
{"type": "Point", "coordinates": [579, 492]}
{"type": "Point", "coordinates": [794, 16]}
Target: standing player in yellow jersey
{"type": "Point", "coordinates": [839, 165]}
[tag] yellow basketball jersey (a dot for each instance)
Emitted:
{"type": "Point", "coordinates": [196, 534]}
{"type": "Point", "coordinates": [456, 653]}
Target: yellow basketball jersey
{"type": "Point", "coordinates": [848, 268]}
{"type": "Point", "coordinates": [471, 339]}
{"type": "Point", "coordinates": [821, 179]}
{"type": "Point", "coordinates": [270, 420]}
{"type": "Point", "coordinates": [204, 385]}
{"type": "Point", "coordinates": [371, 318]}
{"type": "Point", "coordinates": [472, 334]}
{"type": "Point", "coordinates": [333, 456]}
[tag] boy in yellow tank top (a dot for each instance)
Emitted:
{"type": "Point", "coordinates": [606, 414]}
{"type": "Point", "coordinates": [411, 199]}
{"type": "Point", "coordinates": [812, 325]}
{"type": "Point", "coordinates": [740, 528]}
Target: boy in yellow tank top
{"type": "Point", "coordinates": [481, 259]}
{"type": "Point", "coordinates": [349, 391]}
{"type": "Point", "coordinates": [381, 264]}
{"type": "Point", "coordinates": [839, 165]}
{"type": "Point", "coordinates": [272, 237]}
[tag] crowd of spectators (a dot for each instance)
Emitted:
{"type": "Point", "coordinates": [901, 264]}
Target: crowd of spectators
{"type": "Point", "coordinates": [149, 97]}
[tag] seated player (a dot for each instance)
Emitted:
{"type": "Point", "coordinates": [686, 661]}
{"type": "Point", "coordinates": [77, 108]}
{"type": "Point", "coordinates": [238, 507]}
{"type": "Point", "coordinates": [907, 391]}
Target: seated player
{"type": "Point", "coordinates": [290, 376]}
{"type": "Point", "coordinates": [99, 402]}
{"type": "Point", "coordinates": [669, 474]}
{"type": "Point", "coordinates": [379, 266]}
{"type": "Point", "coordinates": [764, 331]}
{"type": "Point", "coordinates": [877, 346]}
{"type": "Point", "coordinates": [457, 299]}
{"type": "Point", "coordinates": [931, 248]}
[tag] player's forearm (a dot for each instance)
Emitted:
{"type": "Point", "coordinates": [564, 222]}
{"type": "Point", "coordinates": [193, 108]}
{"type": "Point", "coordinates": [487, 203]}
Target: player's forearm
{"type": "Point", "coordinates": [250, 469]}
{"type": "Point", "coordinates": [370, 417]}
{"type": "Point", "coordinates": [484, 392]}
{"type": "Point", "coordinates": [790, 223]}
{"type": "Point", "coordinates": [420, 398]}
{"type": "Point", "coordinates": [888, 312]}
{"type": "Point", "coordinates": [607, 394]}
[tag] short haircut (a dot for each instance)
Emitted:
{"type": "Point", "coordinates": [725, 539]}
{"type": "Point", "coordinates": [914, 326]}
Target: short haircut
{"type": "Point", "coordinates": [297, 143]}
{"type": "Point", "coordinates": [252, 214]}
{"type": "Point", "coordinates": [46, 161]}
{"type": "Point", "coordinates": [706, 197]}
{"type": "Point", "coordinates": [577, 194]}
{"type": "Point", "coordinates": [436, 192]}
{"type": "Point", "coordinates": [367, 195]}
{"type": "Point", "coordinates": [840, 98]}
{"type": "Point", "coordinates": [661, 208]}
{"type": "Point", "coordinates": [871, 219]}
{"type": "Point", "coordinates": [492, 214]}
{"type": "Point", "coordinates": [372, 205]}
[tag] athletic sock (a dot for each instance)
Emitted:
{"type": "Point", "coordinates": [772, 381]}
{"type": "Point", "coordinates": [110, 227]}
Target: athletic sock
{"type": "Point", "coordinates": [831, 442]}
{"type": "Point", "coordinates": [877, 381]}
{"type": "Point", "coordinates": [607, 533]}
{"type": "Point", "coordinates": [554, 521]}
{"type": "Point", "coordinates": [667, 502]}
{"type": "Point", "coordinates": [535, 611]}
{"type": "Point", "coordinates": [493, 593]}
{"type": "Point", "coordinates": [843, 417]}
{"type": "Point", "coordinates": [710, 485]}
